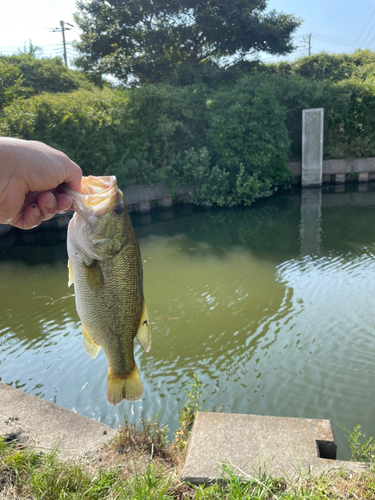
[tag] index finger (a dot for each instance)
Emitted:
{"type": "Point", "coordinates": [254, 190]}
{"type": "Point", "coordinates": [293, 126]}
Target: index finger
{"type": "Point", "coordinates": [73, 176]}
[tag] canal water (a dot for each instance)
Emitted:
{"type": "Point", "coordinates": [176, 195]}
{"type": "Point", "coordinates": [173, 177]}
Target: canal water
{"type": "Point", "coordinates": [272, 306]}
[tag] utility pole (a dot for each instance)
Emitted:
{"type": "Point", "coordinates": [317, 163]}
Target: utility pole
{"type": "Point", "coordinates": [64, 44]}
{"type": "Point", "coordinates": [63, 28]}
{"type": "Point", "coordinates": [310, 44]}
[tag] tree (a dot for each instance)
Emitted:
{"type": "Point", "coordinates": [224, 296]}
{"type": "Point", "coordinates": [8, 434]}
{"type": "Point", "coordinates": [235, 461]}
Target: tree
{"type": "Point", "coordinates": [146, 40]}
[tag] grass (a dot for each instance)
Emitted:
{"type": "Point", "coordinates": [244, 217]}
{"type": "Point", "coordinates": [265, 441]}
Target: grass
{"type": "Point", "coordinates": [140, 464]}
{"type": "Point", "coordinates": [27, 474]}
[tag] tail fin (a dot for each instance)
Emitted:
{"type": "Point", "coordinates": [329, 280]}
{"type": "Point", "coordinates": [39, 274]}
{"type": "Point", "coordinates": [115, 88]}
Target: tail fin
{"type": "Point", "coordinates": [129, 388]}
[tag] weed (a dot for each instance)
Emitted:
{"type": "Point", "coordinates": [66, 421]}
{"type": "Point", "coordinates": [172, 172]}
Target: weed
{"type": "Point", "coordinates": [187, 414]}
{"type": "Point", "coordinates": [361, 450]}
{"type": "Point", "coordinates": [151, 439]}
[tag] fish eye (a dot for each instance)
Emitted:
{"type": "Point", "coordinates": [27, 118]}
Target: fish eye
{"type": "Point", "coordinates": [118, 209]}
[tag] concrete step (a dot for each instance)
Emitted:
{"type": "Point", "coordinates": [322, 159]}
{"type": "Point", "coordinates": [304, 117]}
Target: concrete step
{"type": "Point", "coordinates": [281, 446]}
{"type": "Point", "coordinates": [46, 426]}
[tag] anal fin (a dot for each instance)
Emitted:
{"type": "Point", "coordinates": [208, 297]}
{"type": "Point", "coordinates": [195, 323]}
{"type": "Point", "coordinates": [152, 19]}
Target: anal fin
{"type": "Point", "coordinates": [91, 346]}
{"type": "Point", "coordinates": [71, 279]}
{"type": "Point", "coordinates": [143, 334]}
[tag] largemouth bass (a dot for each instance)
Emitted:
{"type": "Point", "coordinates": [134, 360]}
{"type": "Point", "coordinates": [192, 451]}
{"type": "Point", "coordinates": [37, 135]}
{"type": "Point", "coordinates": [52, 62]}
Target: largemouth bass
{"type": "Point", "coordinates": [105, 266]}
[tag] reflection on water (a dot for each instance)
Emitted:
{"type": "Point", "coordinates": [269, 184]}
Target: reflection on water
{"type": "Point", "coordinates": [272, 306]}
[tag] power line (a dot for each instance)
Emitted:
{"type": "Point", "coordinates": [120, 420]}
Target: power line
{"type": "Point", "coordinates": [335, 40]}
{"type": "Point", "coordinates": [364, 29]}
{"type": "Point", "coordinates": [368, 34]}
{"type": "Point", "coordinates": [372, 41]}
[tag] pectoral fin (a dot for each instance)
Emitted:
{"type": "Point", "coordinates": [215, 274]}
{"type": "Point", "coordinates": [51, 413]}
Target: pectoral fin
{"type": "Point", "coordinates": [94, 275]}
{"type": "Point", "coordinates": [143, 334]}
{"type": "Point", "coordinates": [91, 347]}
{"type": "Point", "coordinates": [70, 280]}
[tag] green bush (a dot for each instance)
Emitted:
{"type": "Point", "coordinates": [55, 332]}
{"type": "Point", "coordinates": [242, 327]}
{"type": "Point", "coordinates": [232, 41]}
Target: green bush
{"type": "Point", "coordinates": [228, 146]}
{"type": "Point", "coordinates": [46, 74]}
{"type": "Point", "coordinates": [349, 110]}
{"type": "Point", "coordinates": [86, 125]}
{"type": "Point", "coordinates": [246, 148]}
{"type": "Point", "coordinates": [325, 67]}
{"type": "Point", "coordinates": [132, 134]}
{"type": "Point", "coordinates": [26, 75]}
{"type": "Point", "coordinates": [249, 138]}
{"type": "Point", "coordinates": [160, 123]}
{"type": "Point", "coordinates": [342, 84]}
{"type": "Point", "coordinates": [10, 83]}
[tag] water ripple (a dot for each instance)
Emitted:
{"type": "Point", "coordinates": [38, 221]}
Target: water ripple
{"type": "Point", "coordinates": [229, 298]}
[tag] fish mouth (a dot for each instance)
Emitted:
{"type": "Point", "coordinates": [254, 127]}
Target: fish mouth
{"type": "Point", "coordinates": [94, 197]}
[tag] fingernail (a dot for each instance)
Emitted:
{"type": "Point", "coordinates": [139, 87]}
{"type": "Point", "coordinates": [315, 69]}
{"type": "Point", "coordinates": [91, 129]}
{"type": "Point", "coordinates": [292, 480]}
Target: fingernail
{"type": "Point", "coordinates": [51, 203]}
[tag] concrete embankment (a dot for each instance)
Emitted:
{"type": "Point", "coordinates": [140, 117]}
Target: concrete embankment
{"type": "Point", "coordinates": [248, 443]}
{"type": "Point", "coordinates": [281, 446]}
{"type": "Point", "coordinates": [361, 170]}
{"type": "Point", "coordinates": [46, 426]}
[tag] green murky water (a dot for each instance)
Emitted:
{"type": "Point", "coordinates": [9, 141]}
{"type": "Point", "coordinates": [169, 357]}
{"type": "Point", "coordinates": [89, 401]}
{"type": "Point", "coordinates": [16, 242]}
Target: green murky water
{"type": "Point", "coordinates": [272, 306]}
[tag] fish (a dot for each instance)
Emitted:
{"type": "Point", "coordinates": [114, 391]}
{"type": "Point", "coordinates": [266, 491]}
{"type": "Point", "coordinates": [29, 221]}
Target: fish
{"type": "Point", "coordinates": [105, 266]}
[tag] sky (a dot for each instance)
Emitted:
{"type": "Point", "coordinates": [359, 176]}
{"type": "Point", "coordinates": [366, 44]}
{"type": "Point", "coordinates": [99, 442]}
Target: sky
{"type": "Point", "coordinates": [335, 25]}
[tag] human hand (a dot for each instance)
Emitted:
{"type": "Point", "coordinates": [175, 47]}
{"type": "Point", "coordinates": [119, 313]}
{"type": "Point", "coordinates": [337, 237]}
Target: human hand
{"type": "Point", "coordinates": [30, 173]}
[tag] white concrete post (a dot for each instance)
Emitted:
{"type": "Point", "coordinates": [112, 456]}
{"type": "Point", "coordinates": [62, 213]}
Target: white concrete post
{"type": "Point", "coordinates": [312, 147]}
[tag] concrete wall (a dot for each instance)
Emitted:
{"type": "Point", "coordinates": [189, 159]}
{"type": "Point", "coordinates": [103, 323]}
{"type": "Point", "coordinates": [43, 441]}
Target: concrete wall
{"type": "Point", "coordinates": [340, 171]}
{"type": "Point", "coordinates": [142, 199]}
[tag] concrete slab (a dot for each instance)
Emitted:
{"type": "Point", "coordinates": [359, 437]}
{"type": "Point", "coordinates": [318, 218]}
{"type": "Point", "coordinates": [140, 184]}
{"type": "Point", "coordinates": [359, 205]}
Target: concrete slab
{"type": "Point", "coordinates": [46, 425]}
{"type": "Point", "coordinates": [249, 443]}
